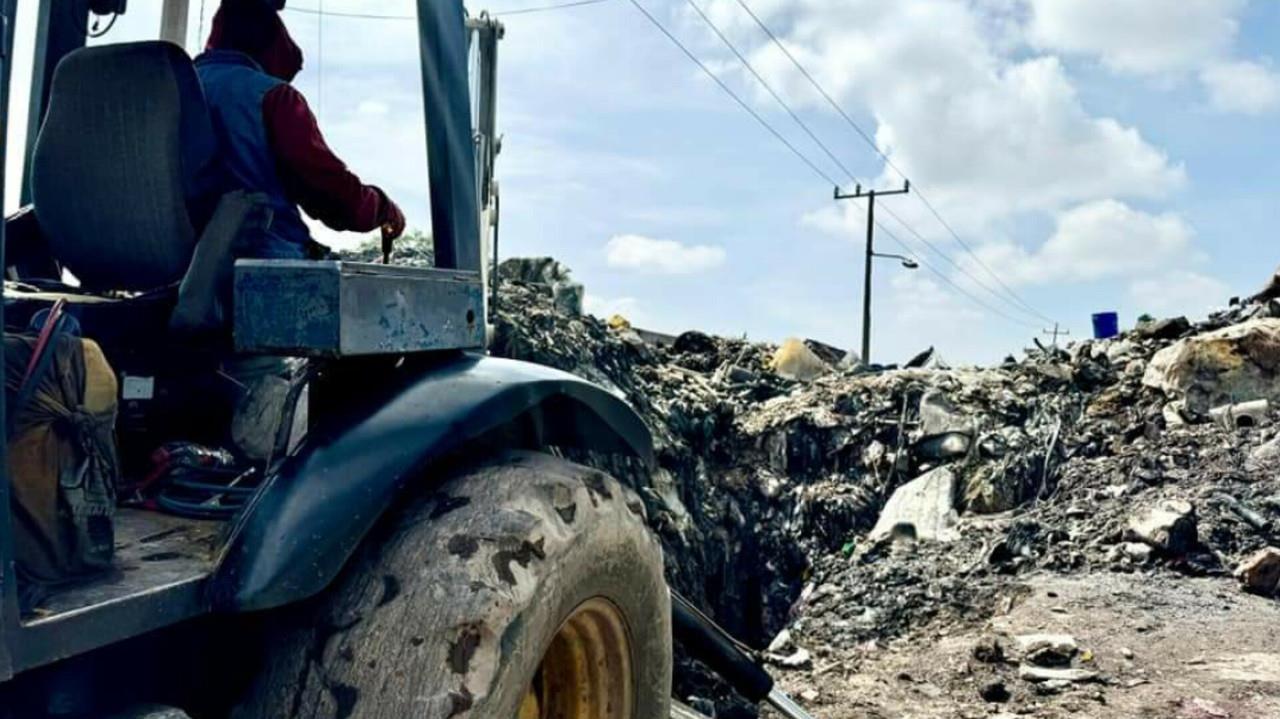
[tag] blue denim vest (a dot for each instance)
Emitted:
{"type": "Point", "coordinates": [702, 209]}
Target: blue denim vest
{"type": "Point", "coordinates": [234, 87]}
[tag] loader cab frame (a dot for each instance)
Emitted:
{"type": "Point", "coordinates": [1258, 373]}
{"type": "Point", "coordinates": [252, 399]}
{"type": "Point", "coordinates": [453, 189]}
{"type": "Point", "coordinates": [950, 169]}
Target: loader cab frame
{"type": "Point", "coordinates": [461, 189]}
{"type": "Point", "coordinates": [8, 580]}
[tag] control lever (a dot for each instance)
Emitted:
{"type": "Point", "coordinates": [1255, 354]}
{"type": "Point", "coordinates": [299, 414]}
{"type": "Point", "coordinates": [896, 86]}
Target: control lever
{"type": "Point", "coordinates": [388, 237]}
{"type": "Point", "coordinates": [707, 642]}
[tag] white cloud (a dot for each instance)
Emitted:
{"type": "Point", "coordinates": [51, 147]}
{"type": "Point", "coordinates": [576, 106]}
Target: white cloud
{"type": "Point", "coordinates": [1095, 241]}
{"type": "Point", "coordinates": [1109, 239]}
{"type": "Point", "coordinates": [1139, 36]}
{"type": "Point", "coordinates": [1018, 140]}
{"type": "Point", "coordinates": [1246, 87]}
{"type": "Point", "coordinates": [1178, 292]}
{"type": "Point", "coordinates": [1156, 37]}
{"type": "Point", "coordinates": [666, 257]}
{"type": "Point", "coordinates": [990, 133]}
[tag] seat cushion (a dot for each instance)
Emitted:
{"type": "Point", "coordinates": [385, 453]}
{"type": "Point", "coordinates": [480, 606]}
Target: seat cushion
{"type": "Point", "coordinates": [125, 168]}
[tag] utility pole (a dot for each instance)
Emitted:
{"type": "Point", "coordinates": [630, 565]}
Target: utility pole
{"type": "Point", "coordinates": [1055, 332]}
{"type": "Point", "coordinates": [871, 253]}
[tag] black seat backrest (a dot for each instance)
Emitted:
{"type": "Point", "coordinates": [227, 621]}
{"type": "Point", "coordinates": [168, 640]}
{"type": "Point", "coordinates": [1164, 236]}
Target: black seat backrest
{"type": "Point", "coordinates": [125, 170]}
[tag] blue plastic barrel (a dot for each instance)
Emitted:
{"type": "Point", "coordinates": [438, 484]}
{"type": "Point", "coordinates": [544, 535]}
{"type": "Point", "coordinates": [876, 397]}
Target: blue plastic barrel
{"type": "Point", "coordinates": [1105, 324]}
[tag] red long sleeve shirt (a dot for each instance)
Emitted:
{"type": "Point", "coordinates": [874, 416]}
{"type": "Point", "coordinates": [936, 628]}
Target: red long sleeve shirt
{"type": "Point", "coordinates": [313, 176]}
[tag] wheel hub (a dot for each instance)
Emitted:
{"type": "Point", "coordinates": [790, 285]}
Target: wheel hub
{"type": "Point", "coordinates": [586, 672]}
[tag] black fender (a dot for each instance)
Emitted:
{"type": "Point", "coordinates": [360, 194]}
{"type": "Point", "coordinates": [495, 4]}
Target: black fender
{"type": "Point", "coordinates": [310, 516]}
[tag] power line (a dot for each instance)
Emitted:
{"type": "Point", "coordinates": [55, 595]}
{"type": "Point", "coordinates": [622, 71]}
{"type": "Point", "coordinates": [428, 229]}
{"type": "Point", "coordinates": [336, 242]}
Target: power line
{"type": "Point", "coordinates": [805, 127]}
{"type": "Point", "coordinates": [356, 15]}
{"type": "Point", "coordinates": [915, 255]}
{"type": "Point", "coordinates": [951, 283]}
{"type": "Point", "coordinates": [752, 111]}
{"type": "Point", "coordinates": [871, 255]}
{"type": "Point", "coordinates": [1056, 332]}
{"type": "Point", "coordinates": [811, 79]}
{"type": "Point", "coordinates": [874, 146]}
{"type": "Point", "coordinates": [729, 91]}
{"type": "Point", "coordinates": [958, 267]}
{"type": "Point", "coordinates": [693, 58]}
{"type": "Point", "coordinates": [1017, 298]}
{"type": "Point", "coordinates": [808, 131]}
{"type": "Point", "coordinates": [747, 64]}
{"type": "Point", "coordinates": [546, 8]}
{"type": "Point", "coordinates": [376, 16]}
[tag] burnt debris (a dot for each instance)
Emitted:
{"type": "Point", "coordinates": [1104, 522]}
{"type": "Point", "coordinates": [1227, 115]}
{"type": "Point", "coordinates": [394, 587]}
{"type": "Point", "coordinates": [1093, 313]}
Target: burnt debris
{"type": "Point", "coordinates": [800, 492]}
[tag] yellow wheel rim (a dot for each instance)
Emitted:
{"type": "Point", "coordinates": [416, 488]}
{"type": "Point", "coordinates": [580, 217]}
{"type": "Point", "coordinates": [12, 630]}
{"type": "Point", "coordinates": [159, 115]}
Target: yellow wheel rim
{"type": "Point", "coordinates": [586, 672]}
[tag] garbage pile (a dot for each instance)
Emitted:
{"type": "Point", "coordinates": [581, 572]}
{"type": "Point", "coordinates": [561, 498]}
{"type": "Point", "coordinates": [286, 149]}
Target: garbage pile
{"type": "Point", "coordinates": [813, 504]}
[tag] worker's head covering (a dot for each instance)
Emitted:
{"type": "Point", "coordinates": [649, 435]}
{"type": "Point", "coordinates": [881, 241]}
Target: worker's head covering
{"type": "Point", "coordinates": [254, 28]}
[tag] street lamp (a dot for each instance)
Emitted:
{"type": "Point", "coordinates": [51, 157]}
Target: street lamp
{"type": "Point", "coordinates": [866, 285]}
{"type": "Point", "coordinates": [907, 262]}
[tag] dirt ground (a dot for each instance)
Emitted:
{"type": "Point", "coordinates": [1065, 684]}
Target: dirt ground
{"type": "Point", "coordinates": [1164, 646]}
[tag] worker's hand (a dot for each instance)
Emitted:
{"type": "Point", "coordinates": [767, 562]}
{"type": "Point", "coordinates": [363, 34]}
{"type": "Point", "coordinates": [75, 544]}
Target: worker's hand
{"type": "Point", "coordinates": [392, 221]}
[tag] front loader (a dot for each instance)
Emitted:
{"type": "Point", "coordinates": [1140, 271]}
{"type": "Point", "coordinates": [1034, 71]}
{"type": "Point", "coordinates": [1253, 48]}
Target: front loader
{"type": "Point", "coordinates": [404, 543]}
{"type": "Point", "coordinates": [395, 533]}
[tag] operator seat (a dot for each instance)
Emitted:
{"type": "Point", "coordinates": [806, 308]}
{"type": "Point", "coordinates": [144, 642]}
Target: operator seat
{"type": "Point", "coordinates": [125, 173]}
{"type": "Point", "coordinates": [128, 195]}
{"type": "Point", "coordinates": [131, 197]}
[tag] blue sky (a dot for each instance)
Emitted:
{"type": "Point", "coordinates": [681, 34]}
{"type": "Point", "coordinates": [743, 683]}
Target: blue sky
{"type": "Point", "coordinates": [1094, 154]}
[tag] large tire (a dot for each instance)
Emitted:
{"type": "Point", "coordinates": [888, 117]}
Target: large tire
{"type": "Point", "coordinates": [447, 612]}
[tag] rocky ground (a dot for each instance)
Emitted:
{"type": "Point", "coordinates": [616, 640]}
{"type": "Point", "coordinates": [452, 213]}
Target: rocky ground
{"type": "Point", "coordinates": [1076, 532]}
{"type": "Point", "coordinates": [1147, 645]}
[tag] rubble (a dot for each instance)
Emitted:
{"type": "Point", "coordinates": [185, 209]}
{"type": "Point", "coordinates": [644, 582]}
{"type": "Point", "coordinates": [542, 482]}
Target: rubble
{"type": "Point", "coordinates": [1169, 527]}
{"type": "Point", "coordinates": [1033, 673]}
{"type": "Point", "coordinates": [414, 249]}
{"type": "Point", "coordinates": [1260, 573]}
{"type": "Point", "coordinates": [995, 692]}
{"type": "Point", "coordinates": [794, 360]}
{"type": "Point", "coordinates": [1236, 363]}
{"type": "Point", "coordinates": [780, 643]}
{"type": "Point", "coordinates": [1165, 329]}
{"type": "Point", "coordinates": [838, 506]}
{"type": "Point", "coordinates": [1047, 650]}
{"type": "Point", "coordinates": [799, 659]}
{"type": "Point", "coordinates": [1243, 414]}
{"type": "Point", "coordinates": [923, 509]}
{"type": "Point", "coordinates": [566, 294]}
{"type": "Point", "coordinates": [1271, 289]}
{"type": "Point", "coordinates": [1265, 456]}
{"type": "Point", "coordinates": [946, 434]}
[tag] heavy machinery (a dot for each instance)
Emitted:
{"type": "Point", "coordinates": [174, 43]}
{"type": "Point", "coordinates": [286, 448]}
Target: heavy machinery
{"type": "Point", "coordinates": [410, 547]}
{"type": "Point", "coordinates": [400, 537]}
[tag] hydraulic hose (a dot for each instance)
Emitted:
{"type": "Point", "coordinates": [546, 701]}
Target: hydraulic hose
{"type": "Point", "coordinates": [710, 644]}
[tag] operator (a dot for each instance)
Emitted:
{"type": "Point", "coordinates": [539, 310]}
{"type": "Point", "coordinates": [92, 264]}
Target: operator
{"type": "Point", "coordinates": [270, 140]}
